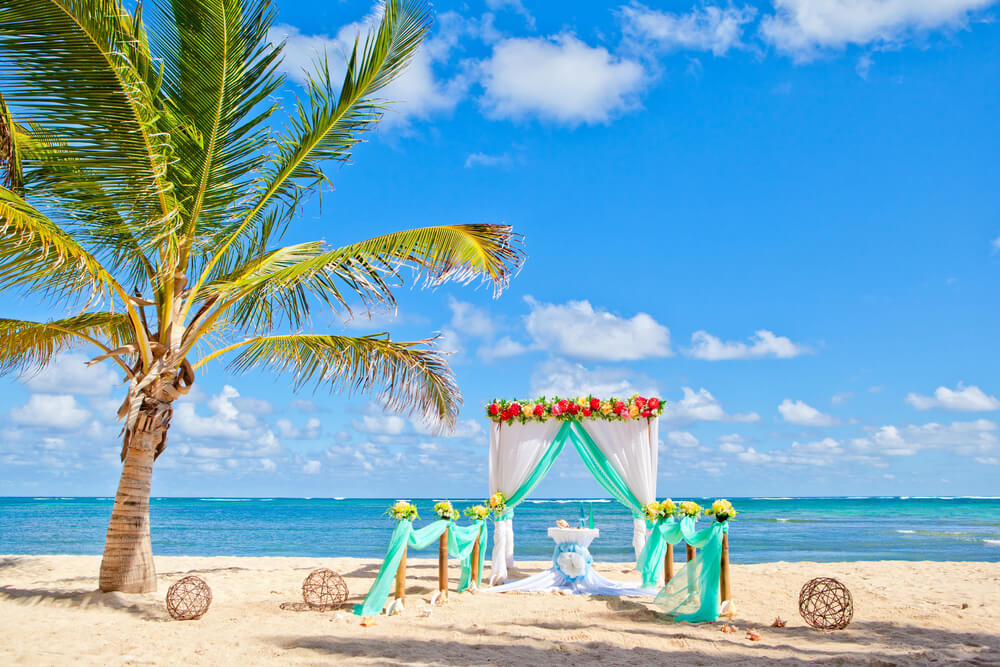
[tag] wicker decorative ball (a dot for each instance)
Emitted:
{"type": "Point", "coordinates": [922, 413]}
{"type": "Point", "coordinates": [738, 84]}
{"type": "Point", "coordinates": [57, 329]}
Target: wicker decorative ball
{"type": "Point", "coordinates": [324, 589]}
{"type": "Point", "coordinates": [188, 599]}
{"type": "Point", "coordinates": [825, 603]}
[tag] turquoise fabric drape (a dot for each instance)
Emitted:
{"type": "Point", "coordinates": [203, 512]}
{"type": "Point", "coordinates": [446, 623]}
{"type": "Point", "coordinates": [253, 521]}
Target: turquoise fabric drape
{"type": "Point", "coordinates": [693, 594]}
{"type": "Point", "coordinates": [662, 533]}
{"type": "Point", "coordinates": [460, 542]}
{"type": "Point", "coordinates": [564, 433]}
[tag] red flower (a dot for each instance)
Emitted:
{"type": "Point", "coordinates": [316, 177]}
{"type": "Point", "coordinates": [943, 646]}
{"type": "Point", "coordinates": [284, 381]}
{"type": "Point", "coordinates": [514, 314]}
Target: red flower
{"type": "Point", "coordinates": [595, 404]}
{"type": "Point", "coordinates": [494, 409]}
{"type": "Point", "coordinates": [639, 402]}
{"type": "Point", "coordinates": [539, 410]}
{"type": "Point", "coordinates": [586, 412]}
{"type": "Point", "coordinates": [619, 406]}
{"type": "Point", "coordinates": [653, 403]}
{"type": "Point", "coordinates": [563, 405]}
{"type": "Point", "coordinates": [573, 408]}
{"type": "Point", "coordinates": [647, 413]}
{"type": "Point", "coordinates": [515, 409]}
{"type": "Point", "coordinates": [505, 415]}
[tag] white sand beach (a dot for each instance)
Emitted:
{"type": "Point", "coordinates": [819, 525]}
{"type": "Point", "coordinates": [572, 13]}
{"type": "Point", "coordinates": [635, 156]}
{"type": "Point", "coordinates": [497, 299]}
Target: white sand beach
{"type": "Point", "coordinates": [906, 613]}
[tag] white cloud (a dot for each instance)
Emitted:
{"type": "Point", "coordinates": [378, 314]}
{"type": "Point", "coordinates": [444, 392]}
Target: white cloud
{"type": "Point", "coordinates": [803, 28]}
{"type": "Point", "coordinates": [560, 79]}
{"type": "Point", "coordinates": [762, 344]}
{"type": "Point", "coordinates": [470, 319]}
{"type": "Point", "coordinates": [962, 398]}
{"type": "Point", "coordinates": [486, 160]}
{"type": "Point", "coordinates": [682, 439]}
{"type": "Point", "coordinates": [464, 428]}
{"type": "Point", "coordinates": [310, 431]}
{"type": "Point", "coordinates": [515, 6]}
{"type": "Point", "coordinates": [69, 374]}
{"type": "Point", "coordinates": [797, 412]}
{"type": "Point", "coordinates": [841, 397]}
{"type": "Point", "coordinates": [730, 447]}
{"type": "Point", "coordinates": [417, 93]}
{"type": "Point", "coordinates": [558, 377]}
{"type": "Point", "coordinates": [381, 424]}
{"type": "Point", "coordinates": [505, 347]}
{"type": "Point", "coordinates": [312, 467]}
{"type": "Point", "coordinates": [578, 330]}
{"type": "Point", "coordinates": [56, 411]}
{"type": "Point", "coordinates": [702, 406]}
{"type": "Point", "coordinates": [975, 438]}
{"type": "Point", "coordinates": [257, 406]}
{"type": "Point", "coordinates": [705, 28]}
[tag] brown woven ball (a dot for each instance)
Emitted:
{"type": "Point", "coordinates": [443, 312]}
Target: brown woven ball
{"type": "Point", "coordinates": [188, 599]}
{"type": "Point", "coordinates": [324, 589]}
{"type": "Point", "coordinates": [825, 603]}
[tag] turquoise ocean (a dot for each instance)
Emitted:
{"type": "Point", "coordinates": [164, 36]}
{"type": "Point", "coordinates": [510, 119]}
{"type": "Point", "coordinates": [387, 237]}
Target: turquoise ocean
{"type": "Point", "coordinates": [767, 529]}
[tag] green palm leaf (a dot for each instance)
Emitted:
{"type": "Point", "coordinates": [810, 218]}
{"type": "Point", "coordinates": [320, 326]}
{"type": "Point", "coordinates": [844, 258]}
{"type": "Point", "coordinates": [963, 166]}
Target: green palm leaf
{"type": "Point", "coordinates": [32, 345]}
{"type": "Point", "coordinates": [410, 376]}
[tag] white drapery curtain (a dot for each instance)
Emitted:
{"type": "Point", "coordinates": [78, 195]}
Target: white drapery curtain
{"type": "Point", "coordinates": [631, 447]}
{"type": "Point", "coordinates": [515, 451]}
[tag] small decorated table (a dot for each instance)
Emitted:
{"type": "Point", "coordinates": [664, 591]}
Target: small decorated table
{"type": "Point", "coordinates": [571, 570]}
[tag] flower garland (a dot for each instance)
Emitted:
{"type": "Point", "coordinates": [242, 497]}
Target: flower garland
{"type": "Point", "coordinates": [477, 512]}
{"type": "Point", "coordinates": [580, 407]}
{"type": "Point", "coordinates": [403, 509]}
{"type": "Point", "coordinates": [722, 510]}
{"type": "Point", "coordinates": [445, 510]}
{"type": "Point", "coordinates": [659, 510]}
{"type": "Point", "coordinates": [497, 503]}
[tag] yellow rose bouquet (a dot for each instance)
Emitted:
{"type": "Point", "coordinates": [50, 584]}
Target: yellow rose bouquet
{"type": "Point", "coordinates": [497, 503]}
{"type": "Point", "coordinates": [722, 510]}
{"type": "Point", "coordinates": [403, 509]}
{"type": "Point", "coordinates": [446, 511]}
{"type": "Point", "coordinates": [477, 512]}
{"type": "Point", "coordinates": [689, 508]}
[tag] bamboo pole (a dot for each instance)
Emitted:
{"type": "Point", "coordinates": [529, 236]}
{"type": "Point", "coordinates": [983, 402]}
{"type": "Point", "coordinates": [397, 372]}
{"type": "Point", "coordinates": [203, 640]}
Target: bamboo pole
{"type": "Point", "coordinates": [475, 563]}
{"type": "Point", "coordinates": [692, 582]}
{"type": "Point", "coordinates": [724, 591]}
{"type": "Point", "coordinates": [443, 565]}
{"type": "Point", "coordinates": [668, 565]}
{"type": "Point", "coordinates": [401, 578]}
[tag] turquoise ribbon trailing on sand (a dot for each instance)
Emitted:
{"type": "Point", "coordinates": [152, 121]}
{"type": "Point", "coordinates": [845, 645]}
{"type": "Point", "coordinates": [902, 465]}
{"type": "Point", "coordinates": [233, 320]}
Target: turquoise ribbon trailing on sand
{"type": "Point", "coordinates": [693, 594]}
{"type": "Point", "coordinates": [461, 540]}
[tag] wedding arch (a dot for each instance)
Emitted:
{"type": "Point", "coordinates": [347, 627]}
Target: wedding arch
{"type": "Point", "coordinates": [617, 440]}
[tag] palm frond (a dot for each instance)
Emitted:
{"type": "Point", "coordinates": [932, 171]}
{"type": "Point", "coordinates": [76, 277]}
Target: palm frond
{"type": "Point", "coordinates": [26, 346]}
{"type": "Point", "coordinates": [36, 253]}
{"type": "Point", "coordinates": [82, 69]}
{"type": "Point", "coordinates": [409, 376]}
{"type": "Point", "coordinates": [11, 176]}
{"type": "Point", "coordinates": [220, 72]}
{"type": "Point", "coordinates": [327, 124]}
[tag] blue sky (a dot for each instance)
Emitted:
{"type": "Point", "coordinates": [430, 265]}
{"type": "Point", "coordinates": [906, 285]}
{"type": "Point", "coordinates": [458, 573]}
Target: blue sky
{"type": "Point", "coordinates": [780, 217]}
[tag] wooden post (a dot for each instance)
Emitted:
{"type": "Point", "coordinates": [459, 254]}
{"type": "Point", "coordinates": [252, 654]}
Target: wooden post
{"type": "Point", "coordinates": [692, 582]}
{"type": "Point", "coordinates": [690, 552]}
{"type": "Point", "coordinates": [443, 565]}
{"type": "Point", "coordinates": [475, 563]}
{"type": "Point", "coordinates": [724, 591]}
{"type": "Point", "coordinates": [668, 565]}
{"type": "Point", "coordinates": [401, 578]}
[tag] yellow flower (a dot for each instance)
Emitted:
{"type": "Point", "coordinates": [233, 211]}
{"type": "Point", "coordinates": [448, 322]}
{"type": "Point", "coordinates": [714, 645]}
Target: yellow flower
{"type": "Point", "coordinates": [633, 411]}
{"type": "Point", "coordinates": [606, 408]}
{"type": "Point", "coordinates": [668, 507]}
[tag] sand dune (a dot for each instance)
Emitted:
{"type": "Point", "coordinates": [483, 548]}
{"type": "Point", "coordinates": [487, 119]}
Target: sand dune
{"type": "Point", "coordinates": [906, 613]}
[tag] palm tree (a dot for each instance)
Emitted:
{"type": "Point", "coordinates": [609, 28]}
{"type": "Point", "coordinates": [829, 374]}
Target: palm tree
{"type": "Point", "coordinates": [146, 184]}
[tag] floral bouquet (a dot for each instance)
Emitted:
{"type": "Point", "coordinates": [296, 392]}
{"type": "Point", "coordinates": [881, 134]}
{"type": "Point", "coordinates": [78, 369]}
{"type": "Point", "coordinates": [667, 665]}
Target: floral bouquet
{"type": "Point", "coordinates": [689, 508]}
{"type": "Point", "coordinates": [477, 512]}
{"type": "Point", "coordinates": [497, 503]}
{"type": "Point", "coordinates": [722, 510]}
{"type": "Point", "coordinates": [580, 407]}
{"type": "Point", "coordinates": [403, 509]}
{"type": "Point", "coordinates": [446, 511]}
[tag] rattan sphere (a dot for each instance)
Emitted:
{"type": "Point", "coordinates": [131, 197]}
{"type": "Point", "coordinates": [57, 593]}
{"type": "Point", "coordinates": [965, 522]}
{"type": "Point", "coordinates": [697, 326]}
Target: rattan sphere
{"type": "Point", "coordinates": [188, 599]}
{"type": "Point", "coordinates": [825, 603]}
{"type": "Point", "coordinates": [324, 589]}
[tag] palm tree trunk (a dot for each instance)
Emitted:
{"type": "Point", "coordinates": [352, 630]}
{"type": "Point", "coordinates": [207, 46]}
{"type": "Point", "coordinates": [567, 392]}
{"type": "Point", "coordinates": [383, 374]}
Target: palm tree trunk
{"type": "Point", "coordinates": [127, 565]}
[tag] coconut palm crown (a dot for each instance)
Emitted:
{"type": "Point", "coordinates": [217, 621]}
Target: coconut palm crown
{"type": "Point", "coordinates": [146, 180]}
